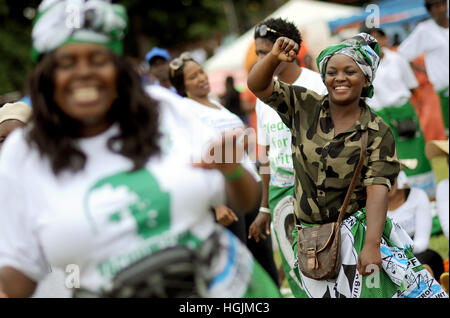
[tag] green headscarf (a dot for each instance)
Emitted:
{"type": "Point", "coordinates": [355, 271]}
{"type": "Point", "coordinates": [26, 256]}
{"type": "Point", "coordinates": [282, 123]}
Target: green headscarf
{"type": "Point", "coordinates": [363, 49]}
{"type": "Point", "coordinates": [60, 22]}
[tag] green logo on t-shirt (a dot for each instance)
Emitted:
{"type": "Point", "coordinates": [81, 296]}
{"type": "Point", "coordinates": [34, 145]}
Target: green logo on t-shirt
{"type": "Point", "coordinates": [134, 194]}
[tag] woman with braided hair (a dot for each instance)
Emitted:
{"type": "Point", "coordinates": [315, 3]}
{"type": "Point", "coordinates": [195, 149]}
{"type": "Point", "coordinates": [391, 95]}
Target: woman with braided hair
{"type": "Point", "coordinates": [376, 258]}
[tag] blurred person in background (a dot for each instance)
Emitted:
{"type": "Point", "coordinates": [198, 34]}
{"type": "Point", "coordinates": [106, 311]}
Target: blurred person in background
{"type": "Point", "coordinates": [431, 38]}
{"type": "Point", "coordinates": [232, 99]}
{"type": "Point", "coordinates": [393, 85]}
{"type": "Point", "coordinates": [191, 81]}
{"type": "Point", "coordinates": [158, 61]}
{"type": "Point", "coordinates": [410, 208]}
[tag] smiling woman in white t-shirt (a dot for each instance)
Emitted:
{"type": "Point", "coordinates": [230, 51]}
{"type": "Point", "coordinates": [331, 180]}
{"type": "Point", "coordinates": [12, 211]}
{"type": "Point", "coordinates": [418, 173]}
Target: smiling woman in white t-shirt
{"type": "Point", "coordinates": [191, 82]}
{"type": "Point", "coordinates": [101, 183]}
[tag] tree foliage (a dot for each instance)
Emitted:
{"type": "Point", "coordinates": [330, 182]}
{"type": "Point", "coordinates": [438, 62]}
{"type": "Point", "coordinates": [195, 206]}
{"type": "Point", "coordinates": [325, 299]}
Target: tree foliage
{"type": "Point", "coordinates": [164, 23]}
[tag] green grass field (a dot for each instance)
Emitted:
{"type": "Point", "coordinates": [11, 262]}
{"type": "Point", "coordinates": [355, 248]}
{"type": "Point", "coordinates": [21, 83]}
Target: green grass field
{"type": "Point", "coordinates": [439, 243]}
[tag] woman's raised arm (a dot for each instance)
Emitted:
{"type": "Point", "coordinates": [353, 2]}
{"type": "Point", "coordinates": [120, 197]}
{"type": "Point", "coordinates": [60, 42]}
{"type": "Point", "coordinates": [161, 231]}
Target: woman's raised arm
{"type": "Point", "coordinates": [260, 78]}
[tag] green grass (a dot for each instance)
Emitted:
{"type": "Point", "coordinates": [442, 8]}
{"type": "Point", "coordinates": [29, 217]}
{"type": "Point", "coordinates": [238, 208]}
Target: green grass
{"type": "Point", "coordinates": [439, 243]}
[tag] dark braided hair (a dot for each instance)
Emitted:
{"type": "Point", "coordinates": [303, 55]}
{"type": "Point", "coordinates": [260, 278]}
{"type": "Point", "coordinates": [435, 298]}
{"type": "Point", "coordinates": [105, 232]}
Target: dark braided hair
{"type": "Point", "coordinates": [54, 133]}
{"type": "Point", "coordinates": [283, 27]}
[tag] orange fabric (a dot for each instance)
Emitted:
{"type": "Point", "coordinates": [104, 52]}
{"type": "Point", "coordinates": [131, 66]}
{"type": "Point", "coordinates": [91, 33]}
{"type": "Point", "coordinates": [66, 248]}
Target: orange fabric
{"type": "Point", "coordinates": [250, 58]}
{"type": "Point", "coordinates": [302, 53]}
{"type": "Point", "coordinates": [446, 265]}
{"type": "Point", "coordinates": [427, 104]}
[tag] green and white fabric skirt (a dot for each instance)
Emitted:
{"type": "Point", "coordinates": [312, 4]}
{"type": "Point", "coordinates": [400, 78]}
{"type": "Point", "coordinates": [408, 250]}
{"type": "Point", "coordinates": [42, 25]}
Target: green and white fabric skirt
{"type": "Point", "coordinates": [281, 204]}
{"type": "Point", "coordinates": [402, 276]}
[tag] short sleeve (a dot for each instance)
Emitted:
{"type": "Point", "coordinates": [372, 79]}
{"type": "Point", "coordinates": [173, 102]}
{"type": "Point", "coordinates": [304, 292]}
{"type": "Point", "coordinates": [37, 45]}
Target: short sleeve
{"type": "Point", "coordinates": [383, 165]}
{"type": "Point", "coordinates": [19, 243]}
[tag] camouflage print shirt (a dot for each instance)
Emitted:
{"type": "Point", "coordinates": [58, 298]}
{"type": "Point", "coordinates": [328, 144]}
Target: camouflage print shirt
{"type": "Point", "coordinates": [323, 163]}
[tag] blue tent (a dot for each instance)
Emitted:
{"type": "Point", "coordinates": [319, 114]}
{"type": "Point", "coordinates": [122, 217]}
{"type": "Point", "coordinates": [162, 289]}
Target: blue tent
{"type": "Point", "coordinates": [393, 13]}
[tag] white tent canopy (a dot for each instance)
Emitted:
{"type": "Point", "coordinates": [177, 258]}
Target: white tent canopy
{"type": "Point", "coordinates": [309, 16]}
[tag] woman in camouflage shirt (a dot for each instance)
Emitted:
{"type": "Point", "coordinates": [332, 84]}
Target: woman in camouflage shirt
{"type": "Point", "coordinates": [326, 132]}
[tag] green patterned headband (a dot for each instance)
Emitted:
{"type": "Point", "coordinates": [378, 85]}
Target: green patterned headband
{"type": "Point", "coordinates": [363, 49]}
{"type": "Point", "coordinates": [59, 22]}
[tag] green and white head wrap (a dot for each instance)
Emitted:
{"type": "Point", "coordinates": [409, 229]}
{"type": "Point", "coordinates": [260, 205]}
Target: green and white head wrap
{"type": "Point", "coordinates": [60, 22]}
{"type": "Point", "coordinates": [363, 49]}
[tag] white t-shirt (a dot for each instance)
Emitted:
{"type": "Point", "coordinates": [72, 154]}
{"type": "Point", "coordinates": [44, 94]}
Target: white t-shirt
{"type": "Point", "coordinates": [429, 38]}
{"type": "Point", "coordinates": [443, 205]}
{"type": "Point", "coordinates": [274, 133]}
{"type": "Point", "coordinates": [220, 120]}
{"type": "Point", "coordinates": [393, 81]}
{"type": "Point", "coordinates": [103, 218]}
{"type": "Point", "coordinates": [415, 217]}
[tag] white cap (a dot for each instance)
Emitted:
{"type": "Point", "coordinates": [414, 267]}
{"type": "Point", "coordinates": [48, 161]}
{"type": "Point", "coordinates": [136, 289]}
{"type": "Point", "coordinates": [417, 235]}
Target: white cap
{"type": "Point", "coordinates": [18, 111]}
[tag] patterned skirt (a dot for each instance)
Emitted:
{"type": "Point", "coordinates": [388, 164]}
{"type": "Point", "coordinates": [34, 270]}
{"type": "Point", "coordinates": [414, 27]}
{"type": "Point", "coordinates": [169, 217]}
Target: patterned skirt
{"type": "Point", "coordinates": [402, 276]}
{"type": "Point", "coordinates": [281, 203]}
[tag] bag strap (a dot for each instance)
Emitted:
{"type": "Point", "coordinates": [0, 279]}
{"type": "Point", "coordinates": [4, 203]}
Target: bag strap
{"type": "Point", "coordinates": [362, 156]}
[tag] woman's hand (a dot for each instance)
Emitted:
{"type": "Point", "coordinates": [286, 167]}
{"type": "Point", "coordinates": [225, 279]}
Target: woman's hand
{"type": "Point", "coordinates": [14, 283]}
{"type": "Point", "coordinates": [224, 215]}
{"type": "Point", "coordinates": [376, 209]}
{"type": "Point", "coordinates": [285, 49]}
{"type": "Point", "coordinates": [370, 255]}
{"type": "Point", "coordinates": [224, 153]}
{"type": "Point", "coordinates": [261, 222]}
{"type": "Point", "coordinates": [260, 77]}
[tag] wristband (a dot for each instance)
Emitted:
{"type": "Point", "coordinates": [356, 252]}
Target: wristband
{"type": "Point", "coordinates": [235, 175]}
{"type": "Point", "coordinates": [264, 210]}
